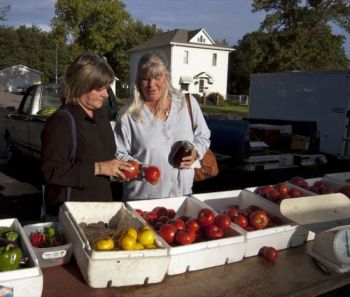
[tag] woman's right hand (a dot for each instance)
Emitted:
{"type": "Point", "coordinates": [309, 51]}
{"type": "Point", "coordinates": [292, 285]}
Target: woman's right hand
{"type": "Point", "coordinates": [112, 168]}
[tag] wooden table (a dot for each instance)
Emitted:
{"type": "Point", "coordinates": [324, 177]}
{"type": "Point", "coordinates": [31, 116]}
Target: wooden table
{"type": "Point", "coordinates": [294, 274]}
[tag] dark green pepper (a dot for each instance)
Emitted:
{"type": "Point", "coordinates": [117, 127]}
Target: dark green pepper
{"type": "Point", "coordinates": [4, 229]}
{"type": "Point", "coordinates": [10, 235]}
{"type": "Point", "coordinates": [10, 257]}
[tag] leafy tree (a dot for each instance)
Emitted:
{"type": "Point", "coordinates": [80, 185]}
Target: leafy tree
{"type": "Point", "coordinates": [295, 35]}
{"type": "Point", "coordinates": [3, 12]}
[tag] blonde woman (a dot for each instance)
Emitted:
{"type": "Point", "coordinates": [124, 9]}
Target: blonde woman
{"type": "Point", "coordinates": [152, 124]}
{"type": "Point", "coordinates": [78, 160]}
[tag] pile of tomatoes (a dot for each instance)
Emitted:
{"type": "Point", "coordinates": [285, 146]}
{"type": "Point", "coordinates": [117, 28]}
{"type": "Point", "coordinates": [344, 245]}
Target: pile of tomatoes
{"type": "Point", "coordinates": [184, 229]}
{"type": "Point", "coordinates": [252, 217]}
{"type": "Point", "coordinates": [276, 193]}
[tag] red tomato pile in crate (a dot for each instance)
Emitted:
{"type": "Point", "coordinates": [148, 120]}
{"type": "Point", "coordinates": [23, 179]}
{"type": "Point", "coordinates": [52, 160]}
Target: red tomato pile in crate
{"type": "Point", "coordinates": [184, 229]}
{"type": "Point", "coordinates": [252, 217]}
{"type": "Point", "coordinates": [276, 193]}
{"type": "Point", "coordinates": [320, 187]}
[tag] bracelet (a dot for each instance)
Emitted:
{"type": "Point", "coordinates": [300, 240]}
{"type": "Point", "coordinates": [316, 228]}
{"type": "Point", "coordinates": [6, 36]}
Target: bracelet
{"type": "Point", "coordinates": [99, 167]}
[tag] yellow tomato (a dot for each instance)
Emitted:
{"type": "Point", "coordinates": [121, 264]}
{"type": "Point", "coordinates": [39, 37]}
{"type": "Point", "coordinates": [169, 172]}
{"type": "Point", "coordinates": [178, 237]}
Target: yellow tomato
{"type": "Point", "coordinates": [105, 244]}
{"type": "Point", "coordinates": [146, 237]}
{"type": "Point", "coordinates": [139, 246]}
{"type": "Point", "coordinates": [127, 242]}
{"type": "Point", "coordinates": [146, 227]}
{"type": "Point", "coordinates": [150, 246]}
{"type": "Point", "coordinates": [131, 231]}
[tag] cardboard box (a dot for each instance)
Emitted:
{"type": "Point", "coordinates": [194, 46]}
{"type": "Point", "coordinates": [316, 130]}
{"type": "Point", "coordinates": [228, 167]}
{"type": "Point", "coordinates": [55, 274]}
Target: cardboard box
{"type": "Point", "coordinates": [300, 143]}
{"type": "Point", "coordinates": [280, 237]}
{"type": "Point", "coordinates": [115, 268]}
{"type": "Point", "coordinates": [26, 281]}
{"type": "Point", "coordinates": [199, 255]}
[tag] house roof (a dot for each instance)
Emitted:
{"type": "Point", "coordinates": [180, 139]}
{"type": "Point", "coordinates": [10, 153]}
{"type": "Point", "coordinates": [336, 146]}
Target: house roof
{"type": "Point", "coordinates": [22, 66]}
{"type": "Point", "coordinates": [179, 36]}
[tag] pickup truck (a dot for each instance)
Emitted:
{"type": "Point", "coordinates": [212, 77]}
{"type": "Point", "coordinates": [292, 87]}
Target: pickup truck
{"type": "Point", "coordinates": [23, 126]}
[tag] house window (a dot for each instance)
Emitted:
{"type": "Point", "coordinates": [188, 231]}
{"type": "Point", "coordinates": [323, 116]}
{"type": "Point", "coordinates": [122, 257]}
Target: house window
{"type": "Point", "coordinates": [215, 58]}
{"type": "Point", "coordinates": [185, 57]}
{"type": "Point", "coordinates": [201, 86]}
{"type": "Point", "coordinates": [184, 87]}
{"type": "Point", "coordinates": [201, 39]}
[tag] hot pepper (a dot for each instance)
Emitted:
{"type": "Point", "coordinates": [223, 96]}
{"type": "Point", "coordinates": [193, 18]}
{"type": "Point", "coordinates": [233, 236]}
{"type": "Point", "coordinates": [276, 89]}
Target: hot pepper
{"type": "Point", "coordinates": [10, 257]}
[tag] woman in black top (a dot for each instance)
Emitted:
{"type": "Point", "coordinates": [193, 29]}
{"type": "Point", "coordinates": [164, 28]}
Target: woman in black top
{"type": "Point", "coordinates": [87, 177]}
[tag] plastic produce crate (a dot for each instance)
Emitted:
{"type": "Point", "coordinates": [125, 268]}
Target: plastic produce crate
{"type": "Point", "coordinates": [50, 256]}
{"type": "Point", "coordinates": [342, 178]}
{"type": "Point", "coordinates": [26, 281]}
{"type": "Point", "coordinates": [115, 268]}
{"type": "Point", "coordinates": [198, 255]}
{"type": "Point", "coordinates": [280, 237]}
{"type": "Point", "coordinates": [304, 193]}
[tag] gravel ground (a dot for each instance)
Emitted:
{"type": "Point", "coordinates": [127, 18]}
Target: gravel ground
{"type": "Point", "coordinates": [9, 99]}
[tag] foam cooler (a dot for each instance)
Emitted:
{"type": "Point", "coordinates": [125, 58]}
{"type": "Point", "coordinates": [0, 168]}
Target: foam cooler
{"type": "Point", "coordinates": [26, 281]}
{"type": "Point", "coordinates": [116, 268]}
{"type": "Point", "coordinates": [199, 255]}
{"type": "Point", "coordinates": [280, 237]}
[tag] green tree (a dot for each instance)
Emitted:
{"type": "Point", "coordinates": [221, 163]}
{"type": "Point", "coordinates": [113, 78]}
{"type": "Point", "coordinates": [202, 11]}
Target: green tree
{"type": "Point", "coordinates": [295, 35]}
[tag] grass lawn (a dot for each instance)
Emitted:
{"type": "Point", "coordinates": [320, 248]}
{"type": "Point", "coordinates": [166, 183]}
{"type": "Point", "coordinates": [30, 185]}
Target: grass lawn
{"type": "Point", "coordinates": [229, 109]}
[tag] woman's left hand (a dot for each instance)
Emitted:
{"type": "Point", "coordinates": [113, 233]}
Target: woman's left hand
{"type": "Point", "coordinates": [189, 160]}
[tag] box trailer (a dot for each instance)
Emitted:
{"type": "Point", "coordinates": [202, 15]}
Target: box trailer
{"type": "Point", "coordinates": [323, 97]}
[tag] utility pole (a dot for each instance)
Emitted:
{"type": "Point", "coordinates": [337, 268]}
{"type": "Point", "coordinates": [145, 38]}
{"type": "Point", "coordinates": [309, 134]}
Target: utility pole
{"type": "Point", "coordinates": [56, 63]}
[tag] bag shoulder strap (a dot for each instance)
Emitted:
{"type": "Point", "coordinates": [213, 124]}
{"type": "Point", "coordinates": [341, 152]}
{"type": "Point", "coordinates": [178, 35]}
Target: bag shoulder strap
{"type": "Point", "coordinates": [188, 100]}
{"type": "Point", "coordinates": [74, 133]}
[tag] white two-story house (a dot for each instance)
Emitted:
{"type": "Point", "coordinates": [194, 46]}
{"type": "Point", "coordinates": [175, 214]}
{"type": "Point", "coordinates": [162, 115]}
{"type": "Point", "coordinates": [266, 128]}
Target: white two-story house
{"type": "Point", "coordinates": [198, 65]}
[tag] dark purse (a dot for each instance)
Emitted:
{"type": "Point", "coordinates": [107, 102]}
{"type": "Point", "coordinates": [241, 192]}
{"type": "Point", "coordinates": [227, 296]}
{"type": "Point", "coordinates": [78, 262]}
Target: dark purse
{"type": "Point", "coordinates": [209, 166]}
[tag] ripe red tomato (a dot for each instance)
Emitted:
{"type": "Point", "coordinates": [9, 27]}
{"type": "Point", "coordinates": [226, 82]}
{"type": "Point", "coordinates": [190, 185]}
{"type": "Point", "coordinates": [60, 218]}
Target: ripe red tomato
{"type": "Point", "coordinates": [163, 219]}
{"type": "Point", "coordinates": [171, 213]}
{"type": "Point", "coordinates": [214, 232]}
{"type": "Point", "coordinates": [282, 188]}
{"type": "Point", "coordinates": [273, 196]}
{"type": "Point", "coordinates": [263, 190]}
{"type": "Point", "coordinates": [294, 193]}
{"type": "Point", "coordinates": [232, 213]}
{"type": "Point", "coordinates": [269, 253]}
{"type": "Point", "coordinates": [223, 221]}
{"type": "Point", "coordinates": [139, 211]}
{"type": "Point", "coordinates": [299, 181]}
{"type": "Point", "coordinates": [241, 221]}
{"type": "Point", "coordinates": [167, 232]}
{"type": "Point", "coordinates": [259, 219]}
{"type": "Point", "coordinates": [150, 217]}
{"type": "Point", "coordinates": [177, 223]}
{"type": "Point", "coordinates": [206, 217]}
{"type": "Point", "coordinates": [134, 170]}
{"type": "Point", "coordinates": [183, 237]}
{"type": "Point", "coordinates": [152, 174]}
{"type": "Point", "coordinates": [192, 225]}
{"type": "Point", "coordinates": [161, 211]}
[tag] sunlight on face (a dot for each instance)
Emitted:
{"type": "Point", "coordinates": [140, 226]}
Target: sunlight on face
{"type": "Point", "coordinates": [153, 87]}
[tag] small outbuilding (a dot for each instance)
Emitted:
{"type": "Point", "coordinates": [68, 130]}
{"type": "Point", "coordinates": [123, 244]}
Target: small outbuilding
{"type": "Point", "coordinates": [18, 78]}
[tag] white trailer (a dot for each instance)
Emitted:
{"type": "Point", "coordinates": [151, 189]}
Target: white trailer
{"type": "Point", "coordinates": [323, 97]}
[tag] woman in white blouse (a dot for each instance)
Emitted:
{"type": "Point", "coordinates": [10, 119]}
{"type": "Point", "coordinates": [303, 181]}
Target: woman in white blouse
{"type": "Point", "coordinates": [148, 127]}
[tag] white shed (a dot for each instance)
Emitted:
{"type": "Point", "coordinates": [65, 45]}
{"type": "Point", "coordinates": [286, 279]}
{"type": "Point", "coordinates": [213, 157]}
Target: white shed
{"type": "Point", "coordinates": [18, 77]}
{"type": "Point", "coordinates": [198, 64]}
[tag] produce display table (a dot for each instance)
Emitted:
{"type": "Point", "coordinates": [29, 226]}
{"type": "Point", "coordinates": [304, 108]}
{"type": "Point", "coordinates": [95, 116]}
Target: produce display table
{"type": "Point", "coordinates": [294, 274]}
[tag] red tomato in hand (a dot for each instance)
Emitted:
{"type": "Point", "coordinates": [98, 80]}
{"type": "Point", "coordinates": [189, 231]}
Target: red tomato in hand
{"type": "Point", "coordinates": [134, 170]}
{"type": "Point", "coordinates": [223, 221]}
{"type": "Point", "coordinates": [259, 219]}
{"type": "Point", "coordinates": [206, 217]}
{"type": "Point", "coordinates": [269, 253]}
{"type": "Point", "coordinates": [167, 232]}
{"type": "Point", "coordinates": [183, 237]}
{"type": "Point", "coordinates": [241, 221]}
{"type": "Point", "coordinates": [214, 232]}
{"type": "Point", "coordinates": [152, 174]}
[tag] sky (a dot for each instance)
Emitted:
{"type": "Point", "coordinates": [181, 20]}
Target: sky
{"type": "Point", "coordinates": [222, 19]}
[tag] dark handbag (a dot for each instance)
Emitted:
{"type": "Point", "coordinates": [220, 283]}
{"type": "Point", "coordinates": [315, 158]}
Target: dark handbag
{"type": "Point", "coordinates": [209, 166]}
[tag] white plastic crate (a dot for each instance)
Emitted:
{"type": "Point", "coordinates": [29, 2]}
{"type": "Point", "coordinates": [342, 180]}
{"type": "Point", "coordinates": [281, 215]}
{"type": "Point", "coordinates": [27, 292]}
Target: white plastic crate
{"type": "Point", "coordinates": [336, 184]}
{"type": "Point", "coordinates": [340, 177]}
{"type": "Point", "coordinates": [26, 281]}
{"type": "Point", "coordinates": [198, 255]}
{"type": "Point", "coordinates": [280, 237]}
{"type": "Point", "coordinates": [116, 268]}
{"type": "Point", "coordinates": [306, 193]}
